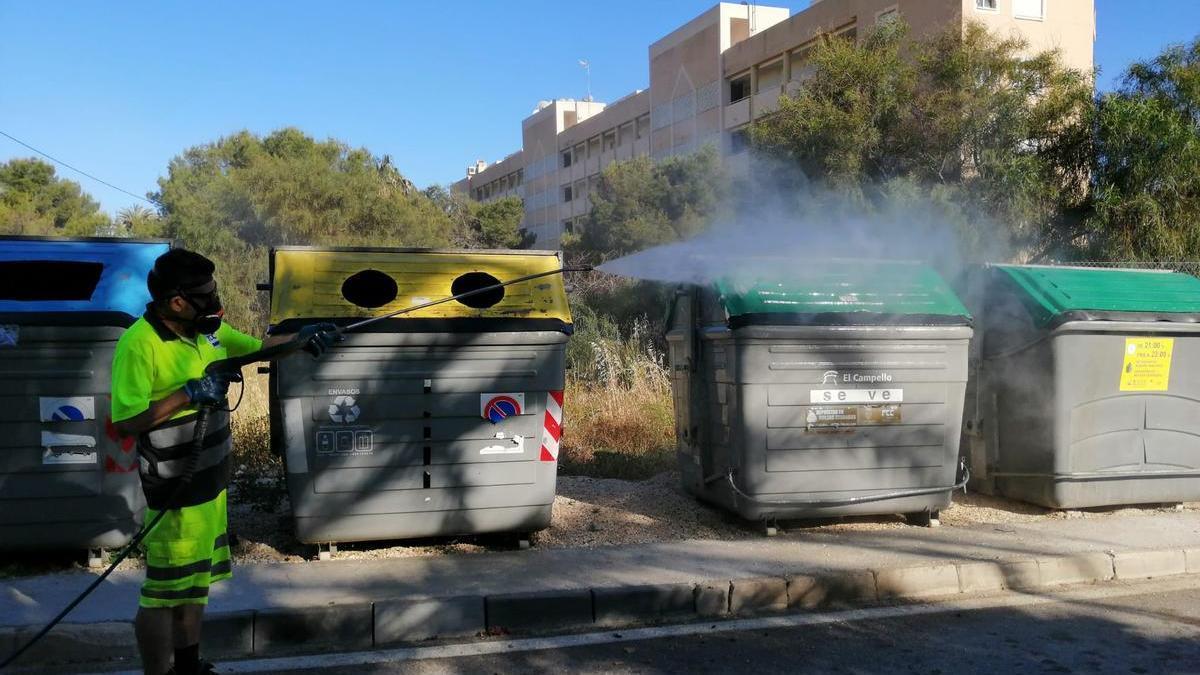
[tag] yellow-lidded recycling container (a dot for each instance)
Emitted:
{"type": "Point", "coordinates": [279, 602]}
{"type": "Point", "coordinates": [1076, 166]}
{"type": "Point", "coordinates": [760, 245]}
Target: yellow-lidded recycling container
{"type": "Point", "coordinates": [443, 421]}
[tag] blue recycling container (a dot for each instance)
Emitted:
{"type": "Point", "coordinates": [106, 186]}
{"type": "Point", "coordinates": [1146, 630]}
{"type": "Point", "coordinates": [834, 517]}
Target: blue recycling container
{"type": "Point", "coordinates": [67, 479]}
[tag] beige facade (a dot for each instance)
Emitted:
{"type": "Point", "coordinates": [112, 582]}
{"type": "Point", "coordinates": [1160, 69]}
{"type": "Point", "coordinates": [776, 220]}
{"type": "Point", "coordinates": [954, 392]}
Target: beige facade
{"type": "Point", "coordinates": [711, 77]}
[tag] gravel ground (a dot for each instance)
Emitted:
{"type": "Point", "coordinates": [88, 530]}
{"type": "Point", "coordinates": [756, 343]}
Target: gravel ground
{"type": "Point", "coordinates": [590, 512]}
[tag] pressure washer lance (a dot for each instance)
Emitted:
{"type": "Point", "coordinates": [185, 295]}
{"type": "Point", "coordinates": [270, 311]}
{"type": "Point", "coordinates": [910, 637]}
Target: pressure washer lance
{"type": "Point", "coordinates": [233, 368]}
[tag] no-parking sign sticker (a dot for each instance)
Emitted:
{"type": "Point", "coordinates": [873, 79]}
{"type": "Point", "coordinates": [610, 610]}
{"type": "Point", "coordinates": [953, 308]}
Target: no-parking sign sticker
{"type": "Point", "coordinates": [497, 407]}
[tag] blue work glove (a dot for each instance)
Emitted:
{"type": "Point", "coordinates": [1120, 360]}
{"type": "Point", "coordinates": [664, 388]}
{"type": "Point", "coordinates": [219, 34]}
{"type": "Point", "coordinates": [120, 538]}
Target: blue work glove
{"type": "Point", "coordinates": [208, 390]}
{"type": "Point", "coordinates": [318, 338]}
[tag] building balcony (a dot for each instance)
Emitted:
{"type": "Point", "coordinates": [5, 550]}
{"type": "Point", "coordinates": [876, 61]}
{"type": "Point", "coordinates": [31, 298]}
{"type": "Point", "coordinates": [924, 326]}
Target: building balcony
{"type": "Point", "coordinates": [766, 101]}
{"type": "Point", "coordinates": [737, 113]}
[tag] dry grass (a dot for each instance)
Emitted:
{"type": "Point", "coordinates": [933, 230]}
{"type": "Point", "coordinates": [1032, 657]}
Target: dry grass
{"type": "Point", "coordinates": [258, 478]}
{"type": "Point", "coordinates": [619, 417]}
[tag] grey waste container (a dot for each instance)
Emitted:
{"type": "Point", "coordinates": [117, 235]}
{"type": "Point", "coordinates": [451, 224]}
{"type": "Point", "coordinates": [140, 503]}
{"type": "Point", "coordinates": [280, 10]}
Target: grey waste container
{"type": "Point", "coordinates": [1087, 387]}
{"type": "Point", "coordinates": [832, 389]}
{"type": "Point", "coordinates": [67, 480]}
{"type": "Point", "coordinates": [443, 422]}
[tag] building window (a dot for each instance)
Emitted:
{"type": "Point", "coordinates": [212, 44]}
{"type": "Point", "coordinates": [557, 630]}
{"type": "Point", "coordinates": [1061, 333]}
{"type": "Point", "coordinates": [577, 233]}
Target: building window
{"type": "Point", "coordinates": [569, 226]}
{"type": "Point", "coordinates": [1029, 9]}
{"type": "Point", "coordinates": [739, 141]}
{"type": "Point", "coordinates": [625, 134]}
{"type": "Point", "coordinates": [770, 76]}
{"type": "Point", "coordinates": [566, 159]}
{"type": "Point", "coordinates": [643, 126]}
{"type": "Point", "coordinates": [610, 140]}
{"type": "Point", "coordinates": [566, 194]}
{"type": "Point", "coordinates": [580, 189]}
{"type": "Point", "coordinates": [890, 14]}
{"type": "Point", "coordinates": [593, 147]}
{"type": "Point", "coordinates": [986, 5]}
{"type": "Point", "coordinates": [801, 68]}
{"type": "Point", "coordinates": [739, 88]}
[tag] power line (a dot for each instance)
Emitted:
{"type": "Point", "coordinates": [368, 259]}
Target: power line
{"type": "Point", "coordinates": [79, 171]}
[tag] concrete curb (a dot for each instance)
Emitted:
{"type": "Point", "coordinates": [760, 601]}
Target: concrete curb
{"type": "Point", "coordinates": [278, 631]}
{"type": "Point", "coordinates": [624, 605]}
{"type": "Point", "coordinates": [1149, 564]}
{"type": "Point", "coordinates": [415, 619]}
{"type": "Point", "coordinates": [762, 595]}
{"type": "Point", "coordinates": [831, 589]}
{"type": "Point", "coordinates": [510, 613]}
{"type": "Point", "coordinates": [336, 627]}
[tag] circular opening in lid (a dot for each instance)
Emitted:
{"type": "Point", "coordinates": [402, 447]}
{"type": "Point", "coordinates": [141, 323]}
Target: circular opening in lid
{"type": "Point", "coordinates": [369, 289]}
{"type": "Point", "coordinates": [473, 281]}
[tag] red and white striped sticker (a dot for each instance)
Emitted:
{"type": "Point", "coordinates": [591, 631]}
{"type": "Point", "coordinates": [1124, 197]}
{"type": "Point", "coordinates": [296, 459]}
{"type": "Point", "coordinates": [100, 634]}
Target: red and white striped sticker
{"type": "Point", "coordinates": [552, 428]}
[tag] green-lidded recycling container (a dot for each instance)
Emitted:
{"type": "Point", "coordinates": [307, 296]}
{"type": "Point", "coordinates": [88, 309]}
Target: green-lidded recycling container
{"type": "Point", "coordinates": [1088, 385]}
{"type": "Point", "coordinates": [821, 389]}
{"type": "Point", "coordinates": [67, 479]}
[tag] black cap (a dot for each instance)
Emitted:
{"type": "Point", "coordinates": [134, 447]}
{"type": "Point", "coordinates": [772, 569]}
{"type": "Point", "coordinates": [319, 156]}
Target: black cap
{"type": "Point", "coordinates": [179, 269]}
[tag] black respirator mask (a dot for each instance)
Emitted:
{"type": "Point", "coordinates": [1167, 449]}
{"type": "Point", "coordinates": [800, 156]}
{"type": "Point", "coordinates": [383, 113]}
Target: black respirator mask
{"type": "Point", "coordinates": [209, 311]}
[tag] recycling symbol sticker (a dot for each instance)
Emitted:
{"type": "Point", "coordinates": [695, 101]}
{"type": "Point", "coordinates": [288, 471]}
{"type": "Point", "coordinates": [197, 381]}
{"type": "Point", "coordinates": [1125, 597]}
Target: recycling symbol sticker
{"type": "Point", "coordinates": [344, 410]}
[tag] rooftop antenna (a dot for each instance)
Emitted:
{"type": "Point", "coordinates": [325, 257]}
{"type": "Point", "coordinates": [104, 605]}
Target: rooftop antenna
{"type": "Point", "coordinates": [587, 68]}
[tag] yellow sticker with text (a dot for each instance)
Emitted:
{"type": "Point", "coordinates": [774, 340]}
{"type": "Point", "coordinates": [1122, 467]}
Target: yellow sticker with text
{"type": "Point", "coordinates": [1147, 364]}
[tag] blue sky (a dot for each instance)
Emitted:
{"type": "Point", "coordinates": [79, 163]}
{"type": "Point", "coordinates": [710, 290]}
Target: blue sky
{"type": "Point", "coordinates": [117, 89]}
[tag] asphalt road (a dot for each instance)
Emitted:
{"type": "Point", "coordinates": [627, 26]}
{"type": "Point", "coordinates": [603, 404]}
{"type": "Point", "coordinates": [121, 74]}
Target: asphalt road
{"type": "Point", "coordinates": [1114, 628]}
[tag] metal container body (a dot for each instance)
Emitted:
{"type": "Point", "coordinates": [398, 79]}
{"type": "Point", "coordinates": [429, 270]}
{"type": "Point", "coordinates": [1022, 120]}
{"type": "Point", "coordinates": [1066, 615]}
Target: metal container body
{"type": "Point", "coordinates": [66, 479]}
{"type": "Point", "coordinates": [387, 436]}
{"type": "Point", "coordinates": [1069, 433]}
{"type": "Point", "coordinates": [807, 421]}
{"type": "Point", "coordinates": [444, 421]}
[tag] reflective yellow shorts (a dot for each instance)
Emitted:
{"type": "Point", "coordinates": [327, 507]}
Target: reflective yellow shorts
{"type": "Point", "coordinates": [185, 553]}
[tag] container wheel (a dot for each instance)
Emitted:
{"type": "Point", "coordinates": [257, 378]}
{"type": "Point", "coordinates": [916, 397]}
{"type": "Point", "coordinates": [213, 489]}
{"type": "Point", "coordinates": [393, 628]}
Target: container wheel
{"type": "Point", "coordinates": [523, 540]}
{"type": "Point", "coordinates": [923, 518]}
{"type": "Point", "coordinates": [326, 551]}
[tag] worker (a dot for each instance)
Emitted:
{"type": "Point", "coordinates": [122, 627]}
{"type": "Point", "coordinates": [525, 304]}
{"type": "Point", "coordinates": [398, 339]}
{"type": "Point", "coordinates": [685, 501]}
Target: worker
{"type": "Point", "coordinates": [158, 383]}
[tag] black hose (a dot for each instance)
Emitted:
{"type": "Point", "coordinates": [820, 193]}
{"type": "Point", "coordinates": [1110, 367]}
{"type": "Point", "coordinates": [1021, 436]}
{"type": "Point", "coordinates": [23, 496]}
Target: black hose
{"type": "Point", "coordinates": [847, 501]}
{"type": "Point", "coordinates": [184, 480]}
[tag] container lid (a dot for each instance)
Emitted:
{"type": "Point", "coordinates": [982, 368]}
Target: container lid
{"type": "Point", "coordinates": [353, 283]}
{"type": "Point", "coordinates": [41, 275]}
{"type": "Point", "coordinates": [1054, 295]}
{"type": "Point", "coordinates": [843, 293]}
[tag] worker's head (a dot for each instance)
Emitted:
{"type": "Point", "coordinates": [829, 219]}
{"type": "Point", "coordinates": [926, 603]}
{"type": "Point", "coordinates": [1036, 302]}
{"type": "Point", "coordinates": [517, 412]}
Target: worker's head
{"type": "Point", "coordinates": [184, 290]}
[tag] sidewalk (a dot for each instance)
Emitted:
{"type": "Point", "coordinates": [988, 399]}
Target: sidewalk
{"type": "Point", "coordinates": [276, 608]}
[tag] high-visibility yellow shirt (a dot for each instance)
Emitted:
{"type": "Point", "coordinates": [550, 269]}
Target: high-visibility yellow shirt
{"type": "Point", "coordinates": [151, 362]}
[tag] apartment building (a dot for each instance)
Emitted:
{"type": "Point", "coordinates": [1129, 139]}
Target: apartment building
{"type": "Point", "coordinates": [713, 76]}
